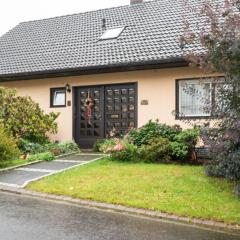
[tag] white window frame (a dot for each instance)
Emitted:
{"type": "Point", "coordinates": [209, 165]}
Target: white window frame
{"type": "Point", "coordinates": [54, 92]}
{"type": "Point", "coordinates": [112, 33]}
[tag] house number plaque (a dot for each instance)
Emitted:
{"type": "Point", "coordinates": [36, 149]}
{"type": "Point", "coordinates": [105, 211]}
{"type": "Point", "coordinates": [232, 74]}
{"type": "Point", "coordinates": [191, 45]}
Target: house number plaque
{"type": "Point", "coordinates": [144, 102]}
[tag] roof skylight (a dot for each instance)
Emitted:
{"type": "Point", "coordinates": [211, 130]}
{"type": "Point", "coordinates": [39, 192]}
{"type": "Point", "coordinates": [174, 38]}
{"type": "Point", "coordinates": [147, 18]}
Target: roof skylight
{"type": "Point", "coordinates": [112, 33]}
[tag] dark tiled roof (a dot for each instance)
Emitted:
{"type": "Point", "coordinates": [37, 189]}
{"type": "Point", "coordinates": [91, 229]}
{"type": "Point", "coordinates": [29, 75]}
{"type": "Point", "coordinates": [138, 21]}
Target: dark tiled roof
{"type": "Point", "coordinates": [72, 42]}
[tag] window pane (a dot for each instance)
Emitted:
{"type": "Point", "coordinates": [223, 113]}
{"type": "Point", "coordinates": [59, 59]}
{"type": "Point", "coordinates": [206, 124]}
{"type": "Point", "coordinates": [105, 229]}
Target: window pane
{"type": "Point", "coordinates": [59, 98]}
{"type": "Point", "coordinates": [112, 33]}
{"type": "Point", "coordinates": [194, 98]}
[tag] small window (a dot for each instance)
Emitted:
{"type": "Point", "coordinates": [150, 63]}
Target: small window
{"type": "Point", "coordinates": [194, 98]}
{"type": "Point", "coordinates": [58, 97]}
{"type": "Point", "coordinates": [112, 33]}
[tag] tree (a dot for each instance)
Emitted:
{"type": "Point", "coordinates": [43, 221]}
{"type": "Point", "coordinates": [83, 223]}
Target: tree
{"type": "Point", "coordinates": [218, 34]}
{"type": "Point", "coordinates": [22, 118]}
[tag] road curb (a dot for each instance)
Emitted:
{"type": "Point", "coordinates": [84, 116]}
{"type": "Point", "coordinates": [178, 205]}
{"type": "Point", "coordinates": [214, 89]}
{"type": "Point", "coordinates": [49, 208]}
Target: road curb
{"type": "Point", "coordinates": [209, 224]}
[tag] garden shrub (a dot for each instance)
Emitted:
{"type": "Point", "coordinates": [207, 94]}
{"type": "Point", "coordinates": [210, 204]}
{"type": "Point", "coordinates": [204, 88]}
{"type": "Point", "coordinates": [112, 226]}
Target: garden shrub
{"type": "Point", "coordinates": [154, 142]}
{"type": "Point", "coordinates": [179, 151]}
{"type": "Point", "coordinates": [151, 130]}
{"type": "Point", "coordinates": [169, 132]}
{"type": "Point", "coordinates": [158, 150]}
{"type": "Point", "coordinates": [29, 147]}
{"type": "Point", "coordinates": [126, 152]}
{"type": "Point", "coordinates": [68, 147]}
{"type": "Point", "coordinates": [24, 119]}
{"type": "Point", "coordinates": [55, 148]}
{"type": "Point", "coordinates": [63, 148]}
{"type": "Point", "coordinates": [182, 141]}
{"type": "Point", "coordinates": [188, 137]}
{"type": "Point", "coordinates": [224, 145]}
{"type": "Point", "coordinates": [225, 166]}
{"type": "Point", "coordinates": [8, 147]}
{"type": "Point", "coordinates": [120, 149]}
{"type": "Point", "coordinates": [145, 134]}
{"type": "Point", "coordinates": [97, 145]}
{"type": "Point", "coordinates": [107, 145]}
{"type": "Point", "coordinates": [46, 156]}
{"type": "Point", "coordinates": [185, 143]}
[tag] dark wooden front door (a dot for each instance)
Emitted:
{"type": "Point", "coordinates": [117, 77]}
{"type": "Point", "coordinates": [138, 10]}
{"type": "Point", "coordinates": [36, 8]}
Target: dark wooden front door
{"type": "Point", "coordinates": [113, 112]}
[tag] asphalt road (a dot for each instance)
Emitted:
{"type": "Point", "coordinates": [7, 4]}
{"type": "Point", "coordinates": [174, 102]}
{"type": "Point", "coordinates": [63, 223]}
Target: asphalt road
{"type": "Point", "coordinates": [29, 218]}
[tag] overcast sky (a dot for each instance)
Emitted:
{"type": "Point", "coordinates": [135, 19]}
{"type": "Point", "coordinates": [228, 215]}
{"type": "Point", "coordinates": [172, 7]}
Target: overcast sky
{"type": "Point", "coordinates": [13, 12]}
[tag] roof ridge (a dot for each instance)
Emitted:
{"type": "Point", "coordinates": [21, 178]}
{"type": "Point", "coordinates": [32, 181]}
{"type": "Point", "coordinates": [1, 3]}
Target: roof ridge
{"type": "Point", "coordinates": [90, 11]}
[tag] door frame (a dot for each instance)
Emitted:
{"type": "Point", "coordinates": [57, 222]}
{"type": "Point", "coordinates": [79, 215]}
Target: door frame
{"type": "Point", "coordinates": [74, 105]}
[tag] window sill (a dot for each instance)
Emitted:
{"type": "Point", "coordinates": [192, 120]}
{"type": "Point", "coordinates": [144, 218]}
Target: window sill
{"type": "Point", "coordinates": [194, 117]}
{"type": "Point", "coordinates": [60, 106]}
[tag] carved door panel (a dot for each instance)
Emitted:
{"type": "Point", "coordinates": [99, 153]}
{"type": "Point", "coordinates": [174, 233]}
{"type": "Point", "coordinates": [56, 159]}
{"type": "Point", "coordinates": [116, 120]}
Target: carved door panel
{"type": "Point", "coordinates": [120, 109]}
{"type": "Point", "coordinates": [113, 112]}
{"type": "Point", "coordinates": [89, 125]}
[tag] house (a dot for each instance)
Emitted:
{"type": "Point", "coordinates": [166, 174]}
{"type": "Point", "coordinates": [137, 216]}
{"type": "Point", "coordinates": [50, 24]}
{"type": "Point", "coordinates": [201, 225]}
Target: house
{"type": "Point", "coordinates": [105, 70]}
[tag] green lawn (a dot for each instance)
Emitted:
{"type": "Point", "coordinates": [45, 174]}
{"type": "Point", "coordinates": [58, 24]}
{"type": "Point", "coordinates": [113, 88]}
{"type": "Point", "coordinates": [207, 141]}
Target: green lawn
{"type": "Point", "coordinates": [179, 189]}
{"type": "Point", "coordinates": [13, 163]}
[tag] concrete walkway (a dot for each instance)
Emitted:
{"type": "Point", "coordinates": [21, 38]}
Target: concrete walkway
{"type": "Point", "coordinates": [21, 176]}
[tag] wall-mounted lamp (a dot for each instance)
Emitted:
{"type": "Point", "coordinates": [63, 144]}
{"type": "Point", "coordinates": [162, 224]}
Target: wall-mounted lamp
{"type": "Point", "coordinates": [68, 88]}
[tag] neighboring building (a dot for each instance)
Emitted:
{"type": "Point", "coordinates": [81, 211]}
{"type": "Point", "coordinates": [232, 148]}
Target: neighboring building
{"type": "Point", "coordinates": [127, 60]}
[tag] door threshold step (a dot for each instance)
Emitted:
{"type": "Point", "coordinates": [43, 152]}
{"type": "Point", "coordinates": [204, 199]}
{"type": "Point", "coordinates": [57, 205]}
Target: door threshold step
{"type": "Point", "coordinates": [91, 154]}
{"type": "Point", "coordinates": [88, 151]}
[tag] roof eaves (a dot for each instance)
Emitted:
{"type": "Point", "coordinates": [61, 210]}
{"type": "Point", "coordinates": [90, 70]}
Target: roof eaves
{"type": "Point", "coordinates": [140, 65]}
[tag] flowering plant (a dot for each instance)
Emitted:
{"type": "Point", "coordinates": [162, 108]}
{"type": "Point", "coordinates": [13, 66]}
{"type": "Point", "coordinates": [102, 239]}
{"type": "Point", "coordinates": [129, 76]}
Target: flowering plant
{"type": "Point", "coordinates": [119, 147]}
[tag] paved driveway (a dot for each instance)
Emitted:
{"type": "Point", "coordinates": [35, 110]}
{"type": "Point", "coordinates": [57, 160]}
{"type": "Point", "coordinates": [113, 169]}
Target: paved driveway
{"type": "Point", "coordinates": [30, 218]}
{"type": "Point", "coordinates": [21, 176]}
